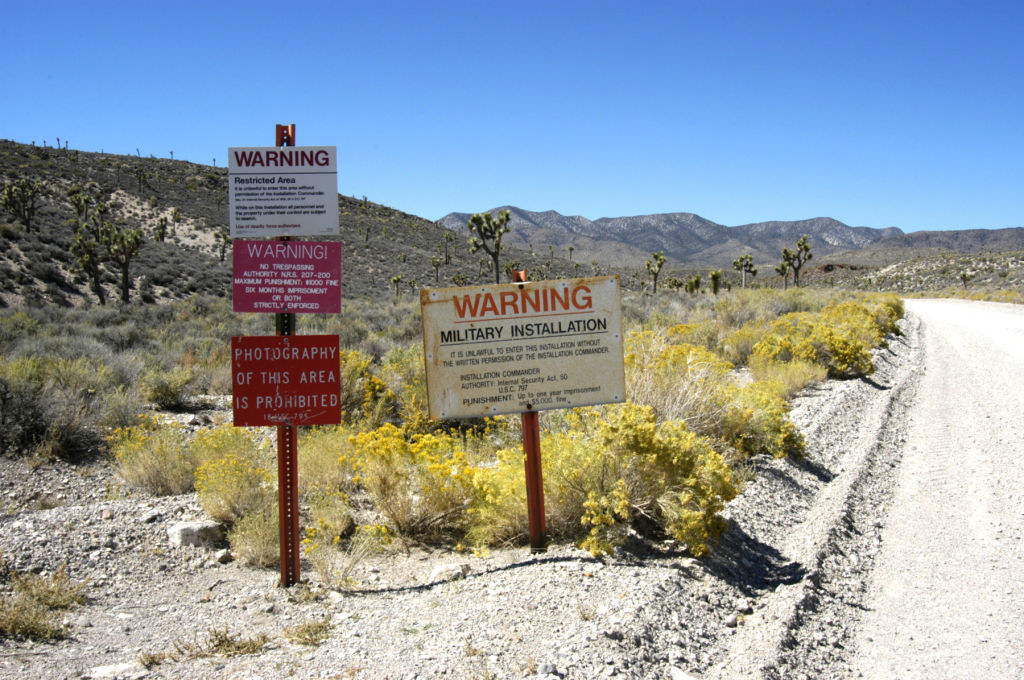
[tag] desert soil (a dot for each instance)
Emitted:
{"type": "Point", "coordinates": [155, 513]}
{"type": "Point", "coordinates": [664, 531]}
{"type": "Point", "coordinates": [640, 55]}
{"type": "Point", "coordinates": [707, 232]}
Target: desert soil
{"type": "Point", "coordinates": [892, 550]}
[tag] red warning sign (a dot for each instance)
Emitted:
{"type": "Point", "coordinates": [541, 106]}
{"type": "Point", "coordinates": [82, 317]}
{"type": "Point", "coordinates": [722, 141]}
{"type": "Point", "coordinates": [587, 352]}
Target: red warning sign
{"type": "Point", "coordinates": [286, 380]}
{"type": "Point", "coordinates": [287, 277]}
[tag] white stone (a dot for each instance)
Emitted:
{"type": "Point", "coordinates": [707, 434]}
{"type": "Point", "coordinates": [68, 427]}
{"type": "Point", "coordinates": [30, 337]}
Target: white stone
{"type": "Point", "coordinates": [202, 534]}
{"type": "Point", "coordinates": [121, 671]}
{"type": "Point", "coordinates": [449, 572]}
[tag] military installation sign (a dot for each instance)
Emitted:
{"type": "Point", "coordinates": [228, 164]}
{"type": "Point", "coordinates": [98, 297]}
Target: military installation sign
{"type": "Point", "coordinates": [510, 348]}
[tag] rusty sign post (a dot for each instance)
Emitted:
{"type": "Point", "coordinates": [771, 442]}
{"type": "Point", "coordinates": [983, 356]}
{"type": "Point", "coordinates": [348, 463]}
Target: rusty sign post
{"type": "Point", "coordinates": [287, 456]}
{"type": "Point", "coordinates": [534, 474]}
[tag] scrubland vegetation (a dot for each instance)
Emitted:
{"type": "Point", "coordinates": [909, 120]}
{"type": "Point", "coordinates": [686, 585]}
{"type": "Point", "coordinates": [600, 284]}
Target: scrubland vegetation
{"type": "Point", "coordinates": [708, 379]}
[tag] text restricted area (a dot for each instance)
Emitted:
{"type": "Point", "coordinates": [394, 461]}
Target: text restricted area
{"type": "Point", "coordinates": [517, 347]}
{"type": "Point", "coordinates": [286, 380]}
{"type": "Point", "coordinates": [283, 191]}
{"type": "Point", "coordinates": [286, 277]}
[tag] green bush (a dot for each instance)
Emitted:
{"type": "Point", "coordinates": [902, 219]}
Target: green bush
{"type": "Point", "coordinates": [168, 390]}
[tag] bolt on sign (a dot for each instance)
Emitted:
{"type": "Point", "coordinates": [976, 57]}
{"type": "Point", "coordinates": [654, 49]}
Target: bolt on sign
{"type": "Point", "coordinates": [286, 277]}
{"type": "Point", "coordinates": [286, 380]}
{"type": "Point", "coordinates": [283, 191]}
{"type": "Point", "coordinates": [510, 348]}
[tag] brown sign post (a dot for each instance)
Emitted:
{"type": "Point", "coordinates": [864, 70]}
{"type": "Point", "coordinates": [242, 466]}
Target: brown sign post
{"type": "Point", "coordinates": [287, 455]}
{"type": "Point", "coordinates": [534, 474]}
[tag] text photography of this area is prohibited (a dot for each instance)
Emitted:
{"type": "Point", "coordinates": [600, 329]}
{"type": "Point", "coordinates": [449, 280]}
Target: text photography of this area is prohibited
{"type": "Point", "coordinates": [287, 380]}
{"type": "Point", "coordinates": [510, 348]}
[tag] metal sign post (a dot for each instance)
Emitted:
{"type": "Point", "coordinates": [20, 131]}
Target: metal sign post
{"type": "Point", "coordinates": [287, 455]}
{"type": "Point", "coordinates": [534, 476]}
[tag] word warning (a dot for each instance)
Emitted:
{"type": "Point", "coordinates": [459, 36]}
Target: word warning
{"type": "Point", "coordinates": [286, 380]}
{"type": "Point", "coordinates": [286, 277]}
{"type": "Point", "coordinates": [517, 347]}
{"type": "Point", "coordinates": [283, 191]}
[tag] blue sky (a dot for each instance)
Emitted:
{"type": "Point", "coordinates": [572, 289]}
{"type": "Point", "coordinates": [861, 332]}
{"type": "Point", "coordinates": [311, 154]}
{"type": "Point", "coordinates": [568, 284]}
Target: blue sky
{"type": "Point", "coordinates": [876, 113]}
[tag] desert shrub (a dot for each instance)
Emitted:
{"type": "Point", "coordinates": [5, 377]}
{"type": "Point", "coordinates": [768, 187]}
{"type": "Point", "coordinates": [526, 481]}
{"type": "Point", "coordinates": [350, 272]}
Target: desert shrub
{"type": "Point", "coordinates": [321, 452]}
{"type": "Point", "coordinates": [839, 337]}
{"type": "Point", "coordinates": [703, 334]}
{"type": "Point", "coordinates": [625, 469]}
{"type": "Point", "coordinates": [23, 410]}
{"type": "Point", "coordinates": [233, 475]}
{"type": "Point", "coordinates": [365, 398]}
{"type": "Point", "coordinates": [737, 346]}
{"type": "Point", "coordinates": [213, 444]}
{"type": "Point", "coordinates": [255, 537]}
{"type": "Point", "coordinates": [807, 337]}
{"type": "Point", "coordinates": [168, 389]}
{"type": "Point", "coordinates": [404, 372]}
{"type": "Point", "coordinates": [30, 610]}
{"type": "Point", "coordinates": [121, 408]}
{"type": "Point", "coordinates": [766, 428]}
{"type": "Point", "coordinates": [153, 457]}
{"type": "Point", "coordinates": [15, 325]}
{"type": "Point", "coordinates": [232, 486]}
{"type": "Point", "coordinates": [46, 406]}
{"type": "Point", "coordinates": [335, 564]}
{"type": "Point", "coordinates": [421, 484]}
{"type": "Point", "coordinates": [792, 376]}
{"type": "Point", "coordinates": [679, 381]}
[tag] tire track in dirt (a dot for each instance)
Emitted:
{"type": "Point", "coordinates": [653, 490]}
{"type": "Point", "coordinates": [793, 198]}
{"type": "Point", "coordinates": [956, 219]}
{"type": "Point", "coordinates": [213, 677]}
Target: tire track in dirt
{"type": "Point", "coordinates": [944, 598]}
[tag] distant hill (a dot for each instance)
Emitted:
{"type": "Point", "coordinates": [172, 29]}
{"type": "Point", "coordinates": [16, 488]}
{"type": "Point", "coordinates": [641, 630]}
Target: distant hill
{"type": "Point", "coordinates": [37, 267]}
{"type": "Point", "coordinates": [683, 237]}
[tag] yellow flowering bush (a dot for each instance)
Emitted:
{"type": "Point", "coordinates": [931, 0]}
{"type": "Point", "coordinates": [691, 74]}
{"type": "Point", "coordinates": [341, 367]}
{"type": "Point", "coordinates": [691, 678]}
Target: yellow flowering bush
{"type": "Point", "coordinates": [365, 398]}
{"type": "Point", "coordinates": [767, 428]}
{"type": "Point", "coordinates": [232, 486]}
{"type": "Point", "coordinates": [625, 469]}
{"type": "Point", "coordinates": [422, 484]}
{"type": "Point", "coordinates": [153, 456]}
{"type": "Point", "coordinates": [321, 452]}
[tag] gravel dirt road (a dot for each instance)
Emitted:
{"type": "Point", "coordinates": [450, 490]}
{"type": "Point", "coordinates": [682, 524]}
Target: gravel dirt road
{"type": "Point", "coordinates": [945, 597]}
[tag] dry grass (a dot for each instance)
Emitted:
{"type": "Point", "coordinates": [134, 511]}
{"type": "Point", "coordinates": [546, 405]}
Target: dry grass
{"type": "Point", "coordinates": [311, 633]}
{"type": "Point", "coordinates": [255, 538]}
{"type": "Point", "coordinates": [29, 611]}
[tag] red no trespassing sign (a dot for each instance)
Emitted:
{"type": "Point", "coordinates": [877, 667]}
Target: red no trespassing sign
{"type": "Point", "coordinates": [286, 277]}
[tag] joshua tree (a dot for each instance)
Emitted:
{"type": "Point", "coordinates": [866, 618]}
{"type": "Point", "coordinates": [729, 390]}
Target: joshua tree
{"type": "Point", "coordinates": [396, 281]}
{"type": "Point", "coordinates": [571, 248]}
{"type": "Point", "coordinates": [693, 284]}
{"type": "Point", "coordinates": [122, 244]}
{"type": "Point", "coordinates": [716, 281]}
{"type": "Point", "coordinates": [161, 230]}
{"type": "Point", "coordinates": [436, 263]}
{"type": "Point", "coordinates": [674, 283]}
{"type": "Point", "coordinates": [176, 219]}
{"type": "Point", "coordinates": [654, 267]}
{"type": "Point", "coordinates": [488, 232]}
{"type": "Point", "coordinates": [744, 265]}
{"type": "Point", "coordinates": [511, 268]}
{"type": "Point", "coordinates": [797, 258]}
{"type": "Point", "coordinates": [85, 246]}
{"type": "Point", "coordinates": [222, 237]}
{"type": "Point", "coordinates": [965, 278]}
{"type": "Point", "coordinates": [449, 240]}
{"type": "Point", "coordinates": [19, 198]}
{"type": "Point", "coordinates": [782, 269]}
{"type": "Point", "coordinates": [459, 279]}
